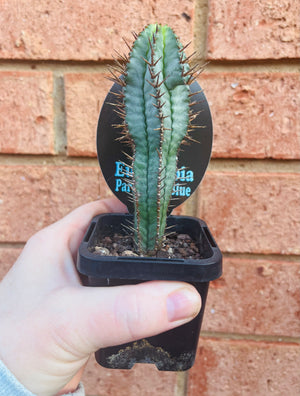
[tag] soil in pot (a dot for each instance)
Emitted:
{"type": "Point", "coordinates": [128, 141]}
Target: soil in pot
{"type": "Point", "coordinates": [173, 246]}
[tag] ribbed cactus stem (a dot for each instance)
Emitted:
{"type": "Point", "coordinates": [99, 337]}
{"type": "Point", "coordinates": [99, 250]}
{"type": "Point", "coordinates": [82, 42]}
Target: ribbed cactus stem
{"type": "Point", "coordinates": [156, 104]}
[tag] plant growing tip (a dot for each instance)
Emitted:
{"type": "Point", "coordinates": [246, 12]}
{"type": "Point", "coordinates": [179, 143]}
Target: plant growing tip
{"type": "Point", "coordinates": [155, 105]}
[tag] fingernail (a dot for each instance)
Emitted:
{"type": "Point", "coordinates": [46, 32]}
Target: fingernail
{"type": "Point", "coordinates": [182, 304]}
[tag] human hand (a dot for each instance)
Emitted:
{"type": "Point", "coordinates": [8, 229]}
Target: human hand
{"type": "Point", "coordinates": [50, 323]}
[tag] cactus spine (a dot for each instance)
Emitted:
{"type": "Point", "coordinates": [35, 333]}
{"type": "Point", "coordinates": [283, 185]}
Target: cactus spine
{"type": "Point", "coordinates": [155, 104]}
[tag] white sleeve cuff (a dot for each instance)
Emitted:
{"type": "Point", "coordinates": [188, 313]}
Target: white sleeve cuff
{"type": "Point", "coordinates": [10, 386]}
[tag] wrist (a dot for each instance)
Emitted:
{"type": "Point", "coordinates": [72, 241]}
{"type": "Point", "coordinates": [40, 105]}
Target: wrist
{"type": "Point", "coordinates": [9, 384]}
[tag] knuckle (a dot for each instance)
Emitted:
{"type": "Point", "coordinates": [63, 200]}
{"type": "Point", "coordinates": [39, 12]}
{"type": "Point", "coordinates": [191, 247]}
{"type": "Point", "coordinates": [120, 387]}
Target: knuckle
{"type": "Point", "coordinates": [37, 239]}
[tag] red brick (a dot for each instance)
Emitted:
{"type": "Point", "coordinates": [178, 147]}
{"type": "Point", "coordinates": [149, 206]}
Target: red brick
{"type": "Point", "coordinates": [252, 212]}
{"type": "Point", "coordinates": [234, 368]}
{"type": "Point", "coordinates": [83, 30]}
{"type": "Point", "coordinates": [255, 115]}
{"type": "Point", "coordinates": [255, 297]}
{"type": "Point", "coordinates": [7, 258]}
{"type": "Point", "coordinates": [254, 29]}
{"type": "Point", "coordinates": [142, 379]}
{"type": "Point", "coordinates": [35, 196]}
{"type": "Point", "coordinates": [26, 112]}
{"type": "Point", "coordinates": [84, 96]}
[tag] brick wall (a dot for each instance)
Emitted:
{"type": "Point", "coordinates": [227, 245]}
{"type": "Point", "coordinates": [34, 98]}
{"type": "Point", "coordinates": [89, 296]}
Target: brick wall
{"type": "Point", "coordinates": [53, 63]}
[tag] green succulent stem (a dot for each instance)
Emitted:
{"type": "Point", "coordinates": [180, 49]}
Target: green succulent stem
{"type": "Point", "coordinates": [156, 119]}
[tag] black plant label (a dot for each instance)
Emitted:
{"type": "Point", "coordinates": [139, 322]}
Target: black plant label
{"type": "Point", "coordinates": [114, 154]}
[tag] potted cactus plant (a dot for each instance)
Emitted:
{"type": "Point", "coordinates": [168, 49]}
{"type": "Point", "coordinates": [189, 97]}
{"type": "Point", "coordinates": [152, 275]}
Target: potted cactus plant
{"type": "Point", "coordinates": [153, 156]}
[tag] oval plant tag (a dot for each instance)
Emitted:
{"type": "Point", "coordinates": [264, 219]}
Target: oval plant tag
{"type": "Point", "coordinates": [114, 154]}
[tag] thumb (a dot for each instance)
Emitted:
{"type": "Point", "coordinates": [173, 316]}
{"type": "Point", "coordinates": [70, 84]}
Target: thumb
{"type": "Point", "coordinates": [115, 315]}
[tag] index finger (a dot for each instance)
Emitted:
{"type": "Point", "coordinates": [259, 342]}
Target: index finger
{"type": "Point", "coordinates": [75, 224]}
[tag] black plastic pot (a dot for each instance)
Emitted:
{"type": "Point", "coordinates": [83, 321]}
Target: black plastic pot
{"type": "Point", "coordinates": [175, 349]}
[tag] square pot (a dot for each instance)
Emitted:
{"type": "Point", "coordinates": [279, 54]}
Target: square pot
{"type": "Point", "coordinates": [173, 350]}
